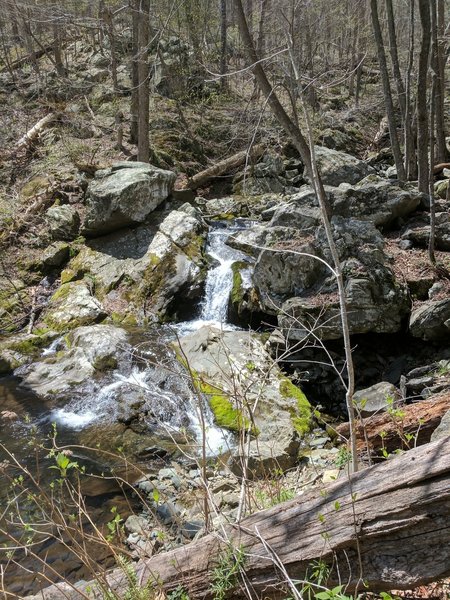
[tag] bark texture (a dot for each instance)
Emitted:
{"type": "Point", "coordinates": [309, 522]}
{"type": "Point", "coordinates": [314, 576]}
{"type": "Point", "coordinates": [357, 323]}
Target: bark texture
{"type": "Point", "coordinates": [396, 514]}
{"type": "Point", "coordinates": [388, 431]}
{"type": "Point", "coordinates": [225, 166]}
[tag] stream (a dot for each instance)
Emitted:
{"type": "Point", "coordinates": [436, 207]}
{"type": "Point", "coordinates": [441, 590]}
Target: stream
{"type": "Point", "coordinates": [94, 413]}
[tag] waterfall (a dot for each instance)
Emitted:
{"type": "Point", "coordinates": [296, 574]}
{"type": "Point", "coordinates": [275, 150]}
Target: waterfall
{"type": "Point", "coordinates": [219, 280]}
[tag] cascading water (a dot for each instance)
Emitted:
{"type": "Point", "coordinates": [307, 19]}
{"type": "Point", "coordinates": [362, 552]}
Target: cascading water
{"type": "Point", "coordinates": [219, 280]}
{"type": "Point", "coordinates": [165, 397]}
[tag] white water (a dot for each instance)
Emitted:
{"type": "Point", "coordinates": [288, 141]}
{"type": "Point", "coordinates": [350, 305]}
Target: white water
{"type": "Point", "coordinates": [166, 401]}
{"type": "Point", "coordinates": [219, 281]}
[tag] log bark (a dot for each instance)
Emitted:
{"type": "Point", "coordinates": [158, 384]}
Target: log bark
{"type": "Point", "coordinates": [391, 519]}
{"type": "Point", "coordinates": [388, 431]}
{"type": "Point", "coordinates": [225, 166]}
{"type": "Point", "coordinates": [32, 134]}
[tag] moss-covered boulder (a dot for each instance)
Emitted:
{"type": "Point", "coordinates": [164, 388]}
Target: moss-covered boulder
{"type": "Point", "coordinates": [247, 392]}
{"type": "Point", "coordinates": [73, 305]}
{"type": "Point", "coordinates": [21, 348]}
{"type": "Point", "coordinates": [87, 351]}
{"type": "Point", "coordinates": [144, 271]}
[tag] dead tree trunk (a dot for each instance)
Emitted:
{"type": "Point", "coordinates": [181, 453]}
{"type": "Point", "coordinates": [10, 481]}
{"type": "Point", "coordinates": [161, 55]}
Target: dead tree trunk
{"type": "Point", "coordinates": [390, 111]}
{"type": "Point", "coordinates": [422, 109]}
{"type": "Point", "coordinates": [386, 526]}
{"type": "Point", "coordinates": [32, 134]}
{"type": "Point", "coordinates": [225, 166]}
{"type": "Point", "coordinates": [388, 432]}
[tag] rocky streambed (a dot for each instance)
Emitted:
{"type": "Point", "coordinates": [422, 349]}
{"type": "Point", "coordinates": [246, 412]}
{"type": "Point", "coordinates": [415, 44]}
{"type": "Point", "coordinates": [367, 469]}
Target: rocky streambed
{"type": "Point", "coordinates": [202, 338]}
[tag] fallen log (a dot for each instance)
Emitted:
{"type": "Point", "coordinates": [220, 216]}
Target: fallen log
{"type": "Point", "coordinates": [406, 426]}
{"type": "Point", "coordinates": [225, 166]}
{"type": "Point", "coordinates": [19, 62]}
{"type": "Point", "coordinates": [388, 525]}
{"type": "Point", "coordinates": [32, 134]}
{"type": "Point", "coordinates": [437, 169]}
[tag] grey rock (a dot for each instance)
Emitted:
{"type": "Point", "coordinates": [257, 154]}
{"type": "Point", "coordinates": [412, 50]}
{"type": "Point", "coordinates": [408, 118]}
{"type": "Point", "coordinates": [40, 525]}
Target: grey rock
{"type": "Point", "coordinates": [338, 167]}
{"type": "Point", "coordinates": [137, 524]}
{"type": "Point", "coordinates": [100, 344]}
{"type": "Point", "coordinates": [63, 222]}
{"type": "Point", "coordinates": [91, 349]}
{"type": "Point", "coordinates": [376, 398]}
{"type": "Point", "coordinates": [55, 255]}
{"type": "Point", "coordinates": [443, 429]}
{"type": "Point", "coordinates": [284, 273]}
{"type": "Point", "coordinates": [10, 360]}
{"type": "Point", "coordinates": [376, 301]}
{"type": "Point", "coordinates": [148, 265]}
{"type": "Point", "coordinates": [190, 529]}
{"type": "Point", "coordinates": [124, 195]}
{"type": "Point", "coordinates": [71, 306]}
{"type": "Point", "coordinates": [375, 199]}
{"type": "Point", "coordinates": [168, 513]}
{"type": "Point", "coordinates": [238, 365]}
{"type": "Point", "coordinates": [265, 458]}
{"type": "Point", "coordinates": [431, 320]}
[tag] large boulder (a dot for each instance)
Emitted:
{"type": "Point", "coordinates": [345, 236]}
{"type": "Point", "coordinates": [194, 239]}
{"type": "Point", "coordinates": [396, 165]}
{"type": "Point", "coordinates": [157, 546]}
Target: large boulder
{"type": "Point", "coordinates": [431, 320]}
{"type": "Point", "coordinates": [280, 273]}
{"type": "Point", "coordinates": [418, 231]}
{"type": "Point", "coordinates": [339, 167]}
{"type": "Point", "coordinates": [143, 270]}
{"type": "Point", "coordinates": [124, 195]}
{"type": "Point", "coordinates": [247, 391]}
{"type": "Point", "coordinates": [376, 301]}
{"type": "Point", "coordinates": [90, 349]}
{"type": "Point", "coordinates": [375, 199]}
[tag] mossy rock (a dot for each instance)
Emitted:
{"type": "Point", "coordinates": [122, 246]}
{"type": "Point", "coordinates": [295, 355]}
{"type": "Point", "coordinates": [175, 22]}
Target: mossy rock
{"type": "Point", "coordinates": [302, 419]}
{"type": "Point", "coordinates": [225, 414]}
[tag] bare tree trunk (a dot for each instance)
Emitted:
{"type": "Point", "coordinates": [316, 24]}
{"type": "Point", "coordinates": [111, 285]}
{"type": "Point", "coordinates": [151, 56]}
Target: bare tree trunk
{"type": "Point", "coordinates": [144, 85]}
{"type": "Point", "coordinates": [260, 49]}
{"type": "Point", "coordinates": [410, 148]}
{"type": "Point", "coordinates": [307, 154]}
{"type": "Point", "coordinates": [134, 109]}
{"type": "Point", "coordinates": [422, 111]}
{"type": "Point", "coordinates": [223, 44]}
{"type": "Point", "coordinates": [442, 154]}
{"type": "Point", "coordinates": [57, 51]}
{"type": "Point", "coordinates": [386, 526]}
{"type": "Point", "coordinates": [434, 79]}
{"type": "Point", "coordinates": [225, 166]}
{"type": "Point", "coordinates": [26, 29]}
{"type": "Point", "coordinates": [281, 115]}
{"type": "Point", "coordinates": [109, 28]}
{"type": "Point", "coordinates": [390, 112]}
{"type": "Point", "coordinates": [394, 58]}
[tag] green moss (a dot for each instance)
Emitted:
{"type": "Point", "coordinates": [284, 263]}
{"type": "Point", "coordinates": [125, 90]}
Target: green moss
{"type": "Point", "coordinates": [236, 294]}
{"type": "Point", "coordinates": [104, 363]}
{"type": "Point", "coordinates": [68, 275]}
{"type": "Point", "coordinates": [124, 319]}
{"type": "Point", "coordinates": [61, 293]}
{"type": "Point", "coordinates": [302, 418]}
{"type": "Point", "coordinates": [30, 345]}
{"type": "Point", "coordinates": [225, 415]}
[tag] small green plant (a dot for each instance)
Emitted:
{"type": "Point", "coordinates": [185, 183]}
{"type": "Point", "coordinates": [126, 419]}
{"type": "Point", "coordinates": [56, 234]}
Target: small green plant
{"type": "Point", "coordinates": [63, 464]}
{"type": "Point", "coordinates": [179, 593]}
{"type": "Point", "coordinates": [343, 457]}
{"type": "Point", "coordinates": [134, 590]}
{"type": "Point", "coordinates": [225, 574]}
